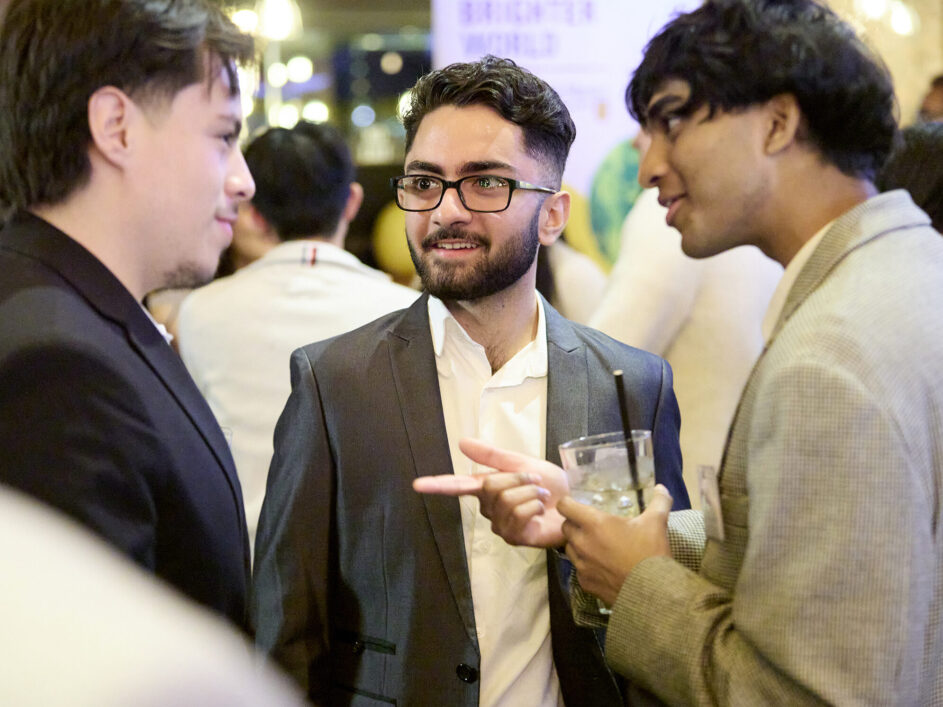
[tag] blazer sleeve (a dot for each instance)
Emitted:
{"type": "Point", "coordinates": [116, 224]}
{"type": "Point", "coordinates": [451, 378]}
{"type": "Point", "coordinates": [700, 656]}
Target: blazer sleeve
{"type": "Point", "coordinates": [290, 597]}
{"type": "Point", "coordinates": [73, 434]}
{"type": "Point", "coordinates": [832, 599]}
{"type": "Point", "coordinates": [666, 444]}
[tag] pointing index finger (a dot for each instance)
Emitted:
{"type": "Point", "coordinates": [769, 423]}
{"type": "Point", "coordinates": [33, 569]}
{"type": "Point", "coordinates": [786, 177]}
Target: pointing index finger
{"type": "Point", "coordinates": [448, 485]}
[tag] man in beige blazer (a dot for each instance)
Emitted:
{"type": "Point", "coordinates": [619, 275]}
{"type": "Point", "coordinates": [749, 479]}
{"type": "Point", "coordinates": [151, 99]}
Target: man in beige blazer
{"type": "Point", "coordinates": [821, 580]}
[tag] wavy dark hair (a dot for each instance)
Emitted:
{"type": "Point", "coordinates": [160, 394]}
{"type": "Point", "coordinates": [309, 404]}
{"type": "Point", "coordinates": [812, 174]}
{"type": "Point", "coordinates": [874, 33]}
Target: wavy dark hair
{"type": "Point", "coordinates": [302, 178]}
{"type": "Point", "coordinates": [54, 54]}
{"type": "Point", "coordinates": [512, 92]}
{"type": "Point", "coordinates": [739, 53]}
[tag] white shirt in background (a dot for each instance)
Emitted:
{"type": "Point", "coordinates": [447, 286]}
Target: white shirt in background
{"type": "Point", "coordinates": [236, 336]}
{"type": "Point", "coordinates": [702, 315]}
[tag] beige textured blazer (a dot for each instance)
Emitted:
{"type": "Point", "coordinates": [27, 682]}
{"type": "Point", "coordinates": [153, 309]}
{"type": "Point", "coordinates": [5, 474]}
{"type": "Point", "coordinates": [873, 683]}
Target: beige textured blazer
{"type": "Point", "coordinates": [827, 588]}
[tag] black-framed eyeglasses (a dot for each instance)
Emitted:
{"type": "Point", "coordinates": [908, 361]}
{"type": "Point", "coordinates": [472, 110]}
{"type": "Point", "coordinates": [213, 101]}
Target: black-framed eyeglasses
{"type": "Point", "coordinates": [485, 193]}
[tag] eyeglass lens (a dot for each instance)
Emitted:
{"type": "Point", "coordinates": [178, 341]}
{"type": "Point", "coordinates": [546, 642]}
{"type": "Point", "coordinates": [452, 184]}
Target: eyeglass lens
{"type": "Point", "coordinates": [478, 193]}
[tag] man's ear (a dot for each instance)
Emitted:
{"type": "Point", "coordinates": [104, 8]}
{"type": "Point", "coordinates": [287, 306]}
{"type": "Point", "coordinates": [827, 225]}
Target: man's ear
{"type": "Point", "coordinates": [354, 201]}
{"type": "Point", "coordinates": [783, 123]}
{"type": "Point", "coordinates": [110, 114]}
{"type": "Point", "coordinates": [554, 213]}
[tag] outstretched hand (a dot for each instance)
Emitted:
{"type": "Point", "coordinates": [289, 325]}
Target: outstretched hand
{"type": "Point", "coordinates": [519, 497]}
{"type": "Point", "coordinates": [604, 548]}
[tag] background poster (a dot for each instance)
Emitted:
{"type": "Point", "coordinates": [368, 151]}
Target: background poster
{"type": "Point", "coordinates": [586, 50]}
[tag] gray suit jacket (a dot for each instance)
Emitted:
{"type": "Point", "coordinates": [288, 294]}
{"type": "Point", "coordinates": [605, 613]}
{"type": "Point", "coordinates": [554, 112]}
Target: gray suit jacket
{"type": "Point", "coordinates": [361, 585]}
{"type": "Point", "coordinates": [827, 588]}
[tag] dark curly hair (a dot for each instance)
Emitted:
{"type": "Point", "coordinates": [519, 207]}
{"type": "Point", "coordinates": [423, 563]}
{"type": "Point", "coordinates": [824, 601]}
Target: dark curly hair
{"type": "Point", "coordinates": [54, 54]}
{"type": "Point", "coordinates": [511, 91]}
{"type": "Point", "coordinates": [302, 178]}
{"type": "Point", "coordinates": [738, 53]}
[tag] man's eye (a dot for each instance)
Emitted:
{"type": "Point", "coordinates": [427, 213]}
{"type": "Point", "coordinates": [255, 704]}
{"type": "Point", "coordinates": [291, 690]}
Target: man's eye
{"type": "Point", "coordinates": [423, 183]}
{"type": "Point", "coordinates": [670, 124]}
{"type": "Point", "coordinates": [489, 182]}
{"type": "Point", "coordinates": [229, 138]}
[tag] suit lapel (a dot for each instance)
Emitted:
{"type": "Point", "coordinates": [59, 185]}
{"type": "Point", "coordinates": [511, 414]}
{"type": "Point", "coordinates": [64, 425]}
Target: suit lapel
{"type": "Point", "coordinates": [860, 225]}
{"type": "Point", "coordinates": [577, 654]}
{"type": "Point", "coordinates": [567, 384]}
{"type": "Point", "coordinates": [412, 360]}
{"type": "Point", "coordinates": [868, 220]}
{"type": "Point", "coordinates": [168, 367]}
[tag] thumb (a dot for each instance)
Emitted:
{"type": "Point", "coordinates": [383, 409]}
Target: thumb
{"type": "Point", "coordinates": [661, 502]}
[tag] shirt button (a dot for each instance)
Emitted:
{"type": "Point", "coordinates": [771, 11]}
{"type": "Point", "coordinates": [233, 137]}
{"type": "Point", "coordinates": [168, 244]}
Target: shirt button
{"type": "Point", "coordinates": [358, 647]}
{"type": "Point", "coordinates": [466, 673]}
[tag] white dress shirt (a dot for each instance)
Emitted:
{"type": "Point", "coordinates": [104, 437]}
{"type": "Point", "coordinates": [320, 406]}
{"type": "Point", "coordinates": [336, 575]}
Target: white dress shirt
{"type": "Point", "coordinates": [509, 584]}
{"type": "Point", "coordinates": [237, 334]}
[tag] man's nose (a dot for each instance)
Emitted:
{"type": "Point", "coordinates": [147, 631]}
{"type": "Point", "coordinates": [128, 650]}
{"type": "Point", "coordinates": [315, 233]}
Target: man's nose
{"type": "Point", "coordinates": [239, 183]}
{"type": "Point", "coordinates": [451, 209]}
{"type": "Point", "coordinates": [654, 163]}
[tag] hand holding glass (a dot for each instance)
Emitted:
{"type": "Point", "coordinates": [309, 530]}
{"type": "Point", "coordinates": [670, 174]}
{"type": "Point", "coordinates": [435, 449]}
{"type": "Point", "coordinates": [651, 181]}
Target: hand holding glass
{"type": "Point", "coordinates": [597, 468]}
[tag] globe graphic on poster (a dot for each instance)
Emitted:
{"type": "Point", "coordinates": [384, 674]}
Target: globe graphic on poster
{"type": "Point", "coordinates": [614, 190]}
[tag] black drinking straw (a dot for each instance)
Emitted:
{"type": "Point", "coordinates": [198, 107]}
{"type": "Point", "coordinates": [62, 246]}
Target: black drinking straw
{"type": "Point", "coordinates": [629, 444]}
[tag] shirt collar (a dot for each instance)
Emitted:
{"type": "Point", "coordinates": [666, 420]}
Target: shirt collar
{"type": "Point", "coordinates": [788, 279]}
{"type": "Point", "coordinates": [530, 361]}
{"type": "Point", "coordinates": [314, 252]}
{"type": "Point", "coordinates": [168, 337]}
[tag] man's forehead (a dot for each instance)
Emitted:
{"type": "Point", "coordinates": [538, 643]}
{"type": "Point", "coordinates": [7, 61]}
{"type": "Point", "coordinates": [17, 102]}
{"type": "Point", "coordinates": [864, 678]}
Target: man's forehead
{"type": "Point", "coordinates": [473, 132]}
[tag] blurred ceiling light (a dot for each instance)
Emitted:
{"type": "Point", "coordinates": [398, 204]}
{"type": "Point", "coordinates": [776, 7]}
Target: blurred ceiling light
{"type": "Point", "coordinates": [872, 9]}
{"type": "Point", "coordinates": [300, 69]}
{"type": "Point", "coordinates": [248, 86]}
{"type": "Point", "coordinates": [277, 74]}
{"type": "Point", "coordinates": [371, 42]}
{"type": "Point", "coordinates": [391, 63]}
{"type": "Point", "coordinates": [284, 115]}
{"type": "Point", "coordinates": [248, 105]}
{"type": "Point", "coordinates": [403, 104]}
{"type": "Point", "coordinates": [363, 116]}
{"type": "Point", "coordinates": [904, 20]}
{"type": "Point", "coordinates": [279, 19]}
{"type": "Point", "coordinates": [246, 20]}
{"type": "Point", "coordinates": [315, 111]}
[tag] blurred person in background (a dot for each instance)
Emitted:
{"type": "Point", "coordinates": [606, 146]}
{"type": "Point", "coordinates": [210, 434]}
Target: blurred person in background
{"type": "Point", "coordinates": [118, 127]}
{"type": "Point", "coordinates": [931, 108]}
{"type": "Point", "coordinates": [236, 334]}
{"type": "Point", "coordinates": [916, 164]}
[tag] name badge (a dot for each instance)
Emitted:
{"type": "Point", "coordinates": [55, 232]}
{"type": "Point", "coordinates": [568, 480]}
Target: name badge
{"type": "Point", "coordinates": [710, 502]}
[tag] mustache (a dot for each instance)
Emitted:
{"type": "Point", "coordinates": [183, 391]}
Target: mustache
{"type": "Point", "coordinates": [453, 234]}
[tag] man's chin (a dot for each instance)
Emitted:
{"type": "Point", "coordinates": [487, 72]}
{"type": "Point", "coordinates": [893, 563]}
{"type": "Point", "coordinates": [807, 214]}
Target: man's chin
{"type": "Point", "coordinates": [188, 277]}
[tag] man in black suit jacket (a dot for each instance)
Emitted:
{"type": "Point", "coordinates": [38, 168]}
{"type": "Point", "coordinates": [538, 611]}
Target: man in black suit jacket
{"type": "Point", "coordinates": [366, 592]}
{"type": "Point", "coordinates": [118, 157]}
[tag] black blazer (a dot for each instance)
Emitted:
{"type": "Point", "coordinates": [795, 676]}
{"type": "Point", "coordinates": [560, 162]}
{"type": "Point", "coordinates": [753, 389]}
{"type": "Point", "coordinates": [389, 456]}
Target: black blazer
{"type": "Point", "coordinates": [99, 418]}
{"type": "Point", "coordinates": [361, 586]}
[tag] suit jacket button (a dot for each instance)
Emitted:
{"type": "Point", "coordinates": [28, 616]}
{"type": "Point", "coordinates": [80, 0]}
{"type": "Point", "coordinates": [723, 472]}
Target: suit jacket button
{"type": "Point", "coordinates": [358, 647]}
{"type": "Point", "coordinates": [466, 673]}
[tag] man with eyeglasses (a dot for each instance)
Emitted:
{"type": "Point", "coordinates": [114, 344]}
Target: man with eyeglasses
{"type": "Point", "coordinates": [367, 590]}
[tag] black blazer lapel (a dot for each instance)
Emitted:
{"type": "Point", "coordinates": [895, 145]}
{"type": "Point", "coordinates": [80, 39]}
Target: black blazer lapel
{"type": "Point", "coordinates": [412, 360]}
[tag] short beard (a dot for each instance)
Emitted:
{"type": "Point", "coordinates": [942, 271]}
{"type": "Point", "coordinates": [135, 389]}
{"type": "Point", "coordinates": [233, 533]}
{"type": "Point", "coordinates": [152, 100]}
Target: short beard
{"type": "Point", "coordinates": [187, 276]}
{"type": "Point", "coordinates": [497, 271]}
